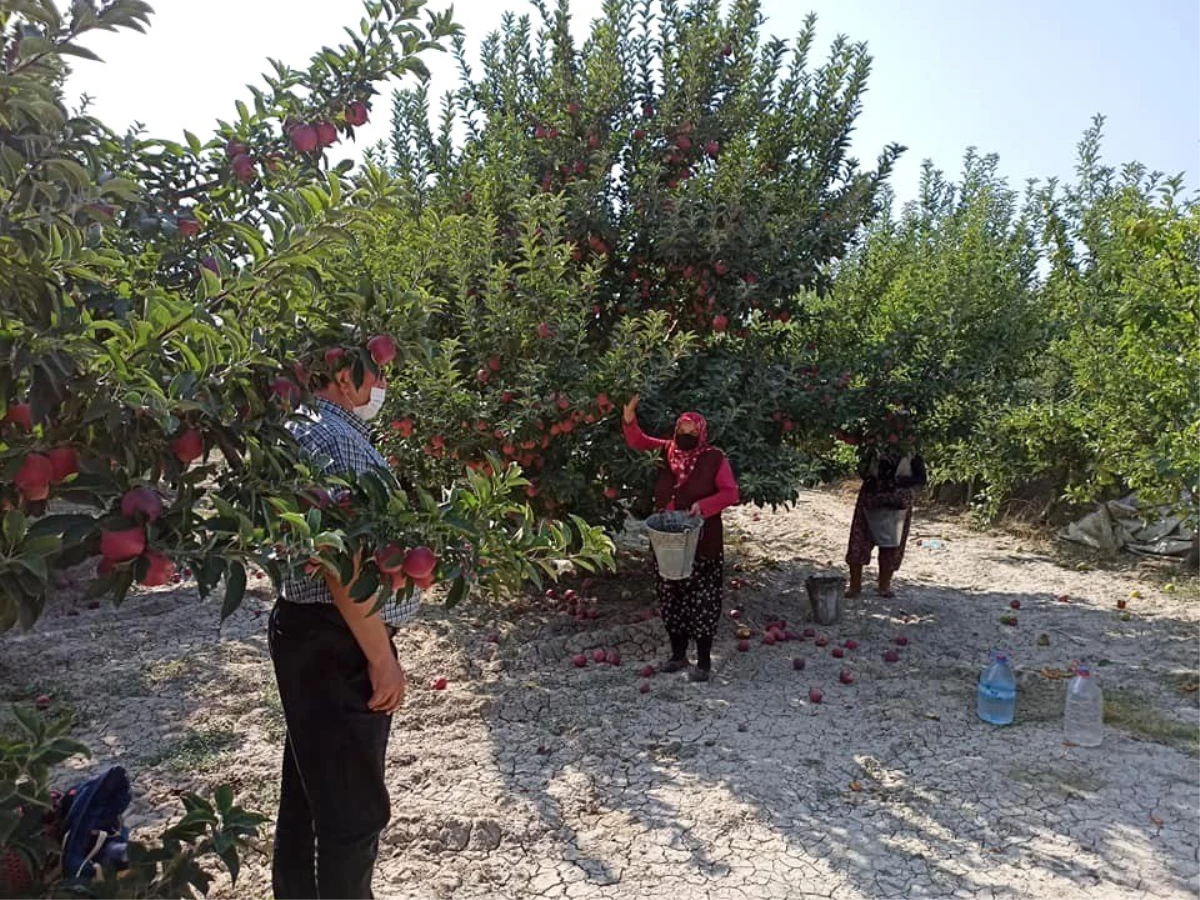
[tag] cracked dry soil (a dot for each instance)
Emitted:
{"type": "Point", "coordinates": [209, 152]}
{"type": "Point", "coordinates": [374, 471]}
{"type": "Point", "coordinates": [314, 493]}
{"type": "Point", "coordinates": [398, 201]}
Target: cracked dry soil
{"type": "Point", "coordinates": [528, 778]}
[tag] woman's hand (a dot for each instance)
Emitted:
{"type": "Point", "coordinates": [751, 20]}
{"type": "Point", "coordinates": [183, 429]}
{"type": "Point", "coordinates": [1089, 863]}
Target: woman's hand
{"type": "Point", "coordinates": [631, 408]}
{"type": "Point", "coordinates": [695, 510]}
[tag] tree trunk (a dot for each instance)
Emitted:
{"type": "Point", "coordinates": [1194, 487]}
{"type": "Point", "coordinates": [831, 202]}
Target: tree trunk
{"type": "Point", "coordinates": [1193, 558]}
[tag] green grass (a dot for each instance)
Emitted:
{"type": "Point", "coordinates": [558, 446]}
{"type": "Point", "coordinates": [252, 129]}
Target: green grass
{"type": "Point", "coordinates": [197, 750]}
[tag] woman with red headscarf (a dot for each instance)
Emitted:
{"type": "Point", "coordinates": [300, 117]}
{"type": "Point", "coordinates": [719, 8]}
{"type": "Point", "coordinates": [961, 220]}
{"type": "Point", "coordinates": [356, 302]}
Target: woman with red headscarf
{"type": "Point", "coordinates": [694, 476]}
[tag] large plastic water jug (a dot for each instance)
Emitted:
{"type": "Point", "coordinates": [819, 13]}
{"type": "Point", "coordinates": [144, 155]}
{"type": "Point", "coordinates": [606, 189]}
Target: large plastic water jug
{"type": "Point", "coordinates": [1083, 720]}
{"type": "Point", "coordinates": [997, 695]}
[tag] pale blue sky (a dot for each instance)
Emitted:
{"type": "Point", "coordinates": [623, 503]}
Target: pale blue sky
{"type": "Point", "coordinates": [1021, 79]}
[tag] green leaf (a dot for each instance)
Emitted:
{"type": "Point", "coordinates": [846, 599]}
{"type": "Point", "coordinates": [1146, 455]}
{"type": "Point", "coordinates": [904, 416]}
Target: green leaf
{"type": "Point", "coordinates": [235, 588]}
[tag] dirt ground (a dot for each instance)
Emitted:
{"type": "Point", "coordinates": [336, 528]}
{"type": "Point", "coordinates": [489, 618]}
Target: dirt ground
{"type": "Point", "coordinates": [528, 777]}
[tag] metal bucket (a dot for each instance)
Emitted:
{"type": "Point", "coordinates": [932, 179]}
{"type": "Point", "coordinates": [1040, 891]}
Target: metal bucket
{"type": "Point", "coordinates": [674, 537]}
{"type": "Point", "coordinates": [887, 525]}
{"type": "Point", "coordinates": [825, 593]}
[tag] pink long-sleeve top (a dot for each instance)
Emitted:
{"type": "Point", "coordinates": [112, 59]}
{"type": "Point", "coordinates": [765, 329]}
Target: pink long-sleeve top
{"type": "Point", "coordinates": [727, 493]}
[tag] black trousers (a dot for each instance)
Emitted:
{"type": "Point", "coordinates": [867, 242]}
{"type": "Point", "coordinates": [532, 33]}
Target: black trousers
{"type": "Point", "coordinates": [333, 800]}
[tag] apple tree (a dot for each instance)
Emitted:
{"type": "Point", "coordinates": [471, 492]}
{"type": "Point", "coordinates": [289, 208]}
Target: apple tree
{"type": "Point", "coordinates": [166, 305]}
{"type": "Point", "coordinates": [695, 182]}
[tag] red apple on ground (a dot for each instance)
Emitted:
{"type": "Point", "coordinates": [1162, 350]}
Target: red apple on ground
{"type": "Point", "coordinates": [821, 641]}
{"type": "Point", "coordinates": [34, 476]}
{"type": "Point", "coordinates": [64, 462]}
{"type": "Point", "coordinates": [122, 545]}
{"type": "Point", "coordinates": [614, 659]}
{"type": "Point", "coordinates": [846, 677]}
{"type": "Point", "coordinates": [851, 644]}
{"type": "Point", "coordinates": [838, 652]}
{"type": "Point", "coordinates": [891, 656]}
{"type": "Point", "coordinates": [798, 663]}
{"type": "Point", "coordinates": [1014, 604]}
{"type": "Point", "coordinates": [382, 349]}
{"type": "Point", "coordinates": [599, 656]}
{"type": "Point", "coordinates": [579, 660]}
{"type": "Point", "coordinates": [644, 687]}
{"type": "Point", "coordinates": [42, 702]}
{"type": "Point", "coordinates": [142, 502]}
{"type": "Point", "coordinates": [439, 684]}
{"type": "Point", "coordinates": [816, 695]}
{"type": "Point", "coordinates": [743, 645]}
{"type": "Point", "coordinates": [646, 672]}
{"type": "Point", "coordinates": [810, 632]}
{"type": "Point", "coordinates": [900, 641]}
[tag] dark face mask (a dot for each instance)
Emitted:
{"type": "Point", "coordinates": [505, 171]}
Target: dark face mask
{"type": "Point", "coordinates": [687, 441]}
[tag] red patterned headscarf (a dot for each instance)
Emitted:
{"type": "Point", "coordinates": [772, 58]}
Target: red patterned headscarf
{"type": "Point", "coordinates": [682, 462]}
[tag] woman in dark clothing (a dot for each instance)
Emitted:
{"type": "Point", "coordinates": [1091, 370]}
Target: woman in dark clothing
{"type": "Point", "coordinates": [889, 482]}
{"type": "Point", "coordinates": [694, 476]}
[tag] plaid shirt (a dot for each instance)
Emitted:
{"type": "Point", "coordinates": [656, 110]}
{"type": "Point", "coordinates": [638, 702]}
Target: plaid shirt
{"type": "Point", "coordinates": [342, 442]}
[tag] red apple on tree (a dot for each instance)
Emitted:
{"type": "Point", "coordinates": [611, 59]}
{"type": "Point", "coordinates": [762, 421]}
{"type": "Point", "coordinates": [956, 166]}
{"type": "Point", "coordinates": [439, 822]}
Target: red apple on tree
{"type": "Point", "coordinates": [243, 168]}
{"type": "Point", "coordinates": [122, 545]}
{"type": "Point", "coordinates": [419, 563]}
{"type": "Point", "coordinates": [64, 462]}
{"type": "Point", "coordinates": [720, 323]}
{"type": "Point", "coordinates": [159, 570]}
{"type": "Point", "coordinates": [304, 138]}
{"type": "Point", "coordinates": [543, 330]}
{"type": "Point", "coordinates": [382, 349]}
{"type": "Point", "coordinates": [356, 114]}
{"type": "Point", "coordinates": [326, 134]}
{"type": "Point", "coordinates": [19, 414]}
{"type": "Point", "coordinates": [189, 446]}
{"type": "Point", "coordinates": [34, 476]}
{"type": "Point", "coordinates": [142, 503]}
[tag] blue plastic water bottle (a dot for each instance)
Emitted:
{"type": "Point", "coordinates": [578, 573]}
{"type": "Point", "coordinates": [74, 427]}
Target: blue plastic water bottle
{"type": "Point", "coordinates": [997, 696]}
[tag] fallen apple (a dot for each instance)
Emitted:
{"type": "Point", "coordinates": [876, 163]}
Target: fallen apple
{"type": "Point", "coordinates": [846, 676]}
{"type": "Point", "coordinates": [42, 702]}
{"type": "Point", "coordinates": [644, 687]}
{"type": "Point", "coordinates": [900, 640]}
{"type": "Point", "coordinates": [579, 660]}
{"type": "Point", "coordinates": [816, 695]}
{"type": "Point", "coordinates": [838, 652]}
{"type": "Point", "coordinates": [646, 672]}
{"type": "Point", "coordinates": [891, 656]}
{"type": "Point", "coordinates": [743, 645]}
{"type": "Point", "coordinates": [1014, 604]}
{"type": "Point", "coordinates": [439, 684]}
{"type": "Point", "coordinates": [851, 644]}
{"type": "Point", "coordinates": [798, 663]}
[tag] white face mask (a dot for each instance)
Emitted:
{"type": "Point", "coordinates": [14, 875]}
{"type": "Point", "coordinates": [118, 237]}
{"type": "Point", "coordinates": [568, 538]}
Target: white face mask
{"type": "Point", "coordinates": [371, 409]}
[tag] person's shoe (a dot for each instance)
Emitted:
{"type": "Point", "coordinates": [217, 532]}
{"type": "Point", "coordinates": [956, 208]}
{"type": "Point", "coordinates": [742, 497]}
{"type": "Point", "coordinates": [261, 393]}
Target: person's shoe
{"type": "Point", "coordinates": [696, 674]}
{"type": "Point", "coordinates": [673, 665]}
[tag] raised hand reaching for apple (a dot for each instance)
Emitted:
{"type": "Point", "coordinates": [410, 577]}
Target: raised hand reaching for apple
{"type": "Point", "coordinates": [631, 408]}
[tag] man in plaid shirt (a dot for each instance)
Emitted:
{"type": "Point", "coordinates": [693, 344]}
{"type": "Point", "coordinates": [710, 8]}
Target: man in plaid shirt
{"type": "Point", "coordinates": [339, 682]}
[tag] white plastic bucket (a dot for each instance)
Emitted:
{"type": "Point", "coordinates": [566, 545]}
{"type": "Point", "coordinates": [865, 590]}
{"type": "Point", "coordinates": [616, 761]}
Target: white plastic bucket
{"type": "Point", "coordinates": [887, 525]}
{"type": "Point", "coordinates": [674, 537]}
